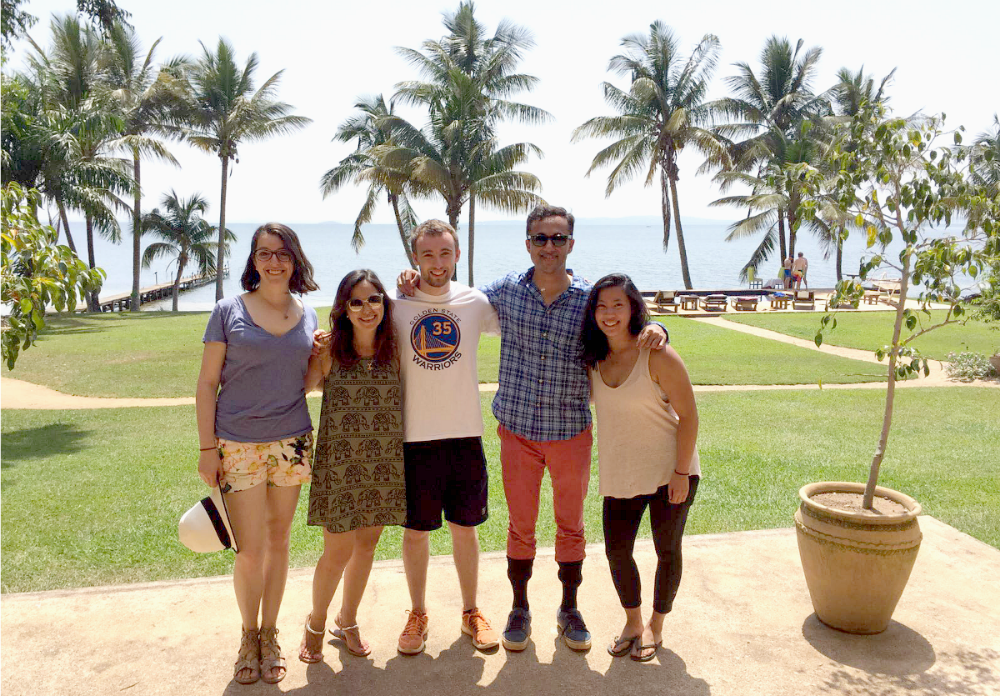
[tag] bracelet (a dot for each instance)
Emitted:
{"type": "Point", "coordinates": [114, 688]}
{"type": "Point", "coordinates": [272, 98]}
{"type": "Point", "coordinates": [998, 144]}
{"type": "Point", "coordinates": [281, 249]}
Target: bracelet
{"type": "Point", "coordinates": [206, 449]}
{"type": "Point", "coordinates": [680, 473]}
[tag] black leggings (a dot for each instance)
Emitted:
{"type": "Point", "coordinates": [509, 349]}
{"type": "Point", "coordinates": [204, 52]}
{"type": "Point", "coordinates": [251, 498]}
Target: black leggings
{"type": "Point", "coordinates": [621, 524]}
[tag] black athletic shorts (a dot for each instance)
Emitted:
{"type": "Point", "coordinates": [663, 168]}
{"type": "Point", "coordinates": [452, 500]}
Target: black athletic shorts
{"type": "Point", "coordinates": [445, 475]}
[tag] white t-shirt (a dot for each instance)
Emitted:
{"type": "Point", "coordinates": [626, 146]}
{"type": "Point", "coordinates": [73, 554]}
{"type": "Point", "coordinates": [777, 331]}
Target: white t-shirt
{"type": "Point", "coordinates": [438, 339]}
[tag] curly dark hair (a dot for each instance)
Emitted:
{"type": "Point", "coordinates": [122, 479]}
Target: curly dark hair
{"type": "Point", "coordinates": [301, 281]}
{"type": "Point", "coordinates": [342, 340]}
{"type": "Point", "coordinates": [595, 343]}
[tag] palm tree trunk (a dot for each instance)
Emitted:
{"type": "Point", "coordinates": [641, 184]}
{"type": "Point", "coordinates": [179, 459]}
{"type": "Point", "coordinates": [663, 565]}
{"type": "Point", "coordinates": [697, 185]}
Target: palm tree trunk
{"type": "Point", "coordinates": [454, 210]}
{"type": "Point", "coordinates": [219, 267]}
{"type": "Point", "coordinates": [890, 392]}
{"type": "Point", "coordinates": [793, 226]}
{"type": "Point", "coordinates": [181, 262]}
{"type": "Point", "coordinates": [136, 235]}
{"type": "Point", "coordinates": [665, 207]}
{"type": "Point", "coordinates": [404, 235]}
{"type": "Point", "coordinates": [472, 233]}
{"type": "Point", "coordinates": [840, 253]}
{"type": "Point", "coordinates": [781, 234]}
{"type": "Point", "coordinates": [65, 222]}
{"type": "Point", "coordinates": [93, 297]}
{"type": "Point", "coordinates": [681, 249]}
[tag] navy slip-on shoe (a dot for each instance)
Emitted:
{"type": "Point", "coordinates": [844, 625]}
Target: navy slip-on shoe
{"type": "Point", "coordinates": [573, 629]}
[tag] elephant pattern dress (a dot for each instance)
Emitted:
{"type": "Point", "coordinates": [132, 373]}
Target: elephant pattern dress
{"type": "Point", "coordinates": [357, 478]}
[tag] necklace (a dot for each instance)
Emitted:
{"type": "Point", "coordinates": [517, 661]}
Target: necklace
{"type": "Point", "coordinates": [286, 310]}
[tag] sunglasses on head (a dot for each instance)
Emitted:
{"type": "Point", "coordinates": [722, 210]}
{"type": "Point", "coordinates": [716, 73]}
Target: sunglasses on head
{"type": "Point", "coordinates": [540, 240]}
{"type": "Point", "coordinates": [355, 304]}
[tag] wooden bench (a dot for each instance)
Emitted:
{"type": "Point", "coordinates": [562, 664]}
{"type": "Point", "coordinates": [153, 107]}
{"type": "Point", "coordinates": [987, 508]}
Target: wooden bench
{"type": "Point", "coordinates": [745, 303]}
{"type": "Point", "coordinates": [714, 303]}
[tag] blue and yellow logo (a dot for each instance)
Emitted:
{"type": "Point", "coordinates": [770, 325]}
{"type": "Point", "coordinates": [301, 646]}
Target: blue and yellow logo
{"type": "Point", "coordinates": [435, 337]}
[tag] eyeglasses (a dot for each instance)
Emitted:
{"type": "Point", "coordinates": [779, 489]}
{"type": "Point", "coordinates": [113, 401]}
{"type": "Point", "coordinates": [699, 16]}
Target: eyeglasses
{"type": "Point", "coordinates": [540, 240]}
{"type": "Point", "coordinates": [264, 255]}
{"type": "Point", "coordinates": [373, 301]}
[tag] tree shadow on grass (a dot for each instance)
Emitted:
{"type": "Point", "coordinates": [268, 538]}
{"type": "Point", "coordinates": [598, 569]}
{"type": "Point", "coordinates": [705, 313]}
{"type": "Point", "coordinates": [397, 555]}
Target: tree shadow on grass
{"type": "Point", "coordinates": [21, 446]}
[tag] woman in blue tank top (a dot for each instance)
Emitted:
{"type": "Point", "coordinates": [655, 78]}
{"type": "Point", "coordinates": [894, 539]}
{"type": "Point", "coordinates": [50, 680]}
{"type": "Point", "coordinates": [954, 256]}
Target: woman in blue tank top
{"type": "Point", "coordinates": [255, 430]}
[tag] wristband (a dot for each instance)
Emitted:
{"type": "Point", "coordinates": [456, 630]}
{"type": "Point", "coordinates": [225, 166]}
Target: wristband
{"type": "Point", "coordinates": [206, 449]}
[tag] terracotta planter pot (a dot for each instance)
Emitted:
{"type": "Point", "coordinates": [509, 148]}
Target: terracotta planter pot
{"type": "Point", "coordinates": [856, 566]}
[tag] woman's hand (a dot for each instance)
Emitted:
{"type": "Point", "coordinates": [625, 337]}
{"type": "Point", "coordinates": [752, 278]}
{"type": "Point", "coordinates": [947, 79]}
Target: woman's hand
{"type": "Point", "coordinates": [210, 467]}
{"type": "Point", "coordinates": [677, 489]}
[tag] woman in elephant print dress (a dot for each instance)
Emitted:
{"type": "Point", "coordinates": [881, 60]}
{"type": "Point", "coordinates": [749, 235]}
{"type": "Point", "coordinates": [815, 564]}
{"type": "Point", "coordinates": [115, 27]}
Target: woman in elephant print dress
{"type": "Point", "coordinates": [357, 484]}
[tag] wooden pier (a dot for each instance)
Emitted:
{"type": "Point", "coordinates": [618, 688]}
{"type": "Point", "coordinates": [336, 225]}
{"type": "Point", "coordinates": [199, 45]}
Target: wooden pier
{"type": "Point", "coordinates": [123, 302]}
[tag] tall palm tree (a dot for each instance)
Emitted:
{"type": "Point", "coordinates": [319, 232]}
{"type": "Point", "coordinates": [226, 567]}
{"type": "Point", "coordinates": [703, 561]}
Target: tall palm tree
{"type": "Point", "coordinates": [985, 165]}
{"type": "Point", "coordinates": [225, 110]}
{"type": "Point", "coordinates": [663, 111]}
{"type": "Point", "coordinates": [469, 79]}
{"type": "Point", "coordinates": [141, 93]}
{"type": "Point", "coordinates": [186, 236]}
{"type": "Point", "coordinates": [68, 77]}
{"type": "Point", "coordinates": [363, 165]}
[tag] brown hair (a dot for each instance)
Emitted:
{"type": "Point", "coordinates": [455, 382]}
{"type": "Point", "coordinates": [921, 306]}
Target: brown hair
{"type": "Point", "coordinates": [342, 330]}
{"type": "Point", "coordinates": [431, 227]}
{"type": "Point", "coordinates": [540, 212]}
{"type": "Point", "coordinates": [302, 276]}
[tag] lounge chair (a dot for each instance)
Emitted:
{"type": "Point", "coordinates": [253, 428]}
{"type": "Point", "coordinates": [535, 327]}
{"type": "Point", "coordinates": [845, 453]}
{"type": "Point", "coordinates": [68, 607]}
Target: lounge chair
{"type": "Point", "coordinates": [745, 303]}
{"type": "Point", "coordinates": [807, 298]}
{"type": "Point", "coordinates": [714, 303]}
{"type": "Point", "coordinates": [665, 301]}
{"type": "Point", "coordinates": [780, 300]}
{"type": "Point", "coordinates": [754, 281]}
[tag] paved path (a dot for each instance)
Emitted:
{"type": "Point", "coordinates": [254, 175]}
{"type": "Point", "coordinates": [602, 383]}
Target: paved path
{"type": "Point", "coordinates": [15, 393]}
{"type": "Point", "coordinates": [742, 625]}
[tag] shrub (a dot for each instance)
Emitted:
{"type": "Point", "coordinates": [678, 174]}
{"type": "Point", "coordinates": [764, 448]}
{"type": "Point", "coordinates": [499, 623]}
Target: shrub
{"type": "Point", "coordinates": [968, 367]}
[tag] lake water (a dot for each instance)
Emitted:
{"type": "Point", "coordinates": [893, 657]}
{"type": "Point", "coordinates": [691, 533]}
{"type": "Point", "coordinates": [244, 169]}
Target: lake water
{"type": "Point", "coordinates": [499, 249]}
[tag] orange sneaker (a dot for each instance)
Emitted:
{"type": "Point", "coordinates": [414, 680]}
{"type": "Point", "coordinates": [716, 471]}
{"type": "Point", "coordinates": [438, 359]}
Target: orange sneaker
{"type": "Point", "coordinates": [476, 625]}
{"type": "Point", "coordinates": [413, 639]}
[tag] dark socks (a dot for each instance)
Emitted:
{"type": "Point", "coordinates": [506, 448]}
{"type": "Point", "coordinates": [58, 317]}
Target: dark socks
{"type": "Point", "coordinates": [571, 576]}
{"type": "Point", "coordinates": [519, 572]}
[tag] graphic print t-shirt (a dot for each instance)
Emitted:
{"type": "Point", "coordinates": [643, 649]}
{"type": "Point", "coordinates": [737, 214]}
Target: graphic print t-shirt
{"type": "Point", "coordinates": [438, 339]}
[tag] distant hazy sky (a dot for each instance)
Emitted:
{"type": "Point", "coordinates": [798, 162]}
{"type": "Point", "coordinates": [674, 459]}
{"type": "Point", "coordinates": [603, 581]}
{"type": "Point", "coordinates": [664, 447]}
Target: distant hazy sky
{"type": "Point", "coordinates": [946, 56]}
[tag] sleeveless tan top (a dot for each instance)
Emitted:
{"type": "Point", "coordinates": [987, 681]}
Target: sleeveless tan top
{"type": "Point", "coordinates": [636, 434]}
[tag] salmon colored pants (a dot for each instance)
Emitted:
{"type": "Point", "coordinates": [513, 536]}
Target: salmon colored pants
{"type": "Point", "coordinates": [524, 462]}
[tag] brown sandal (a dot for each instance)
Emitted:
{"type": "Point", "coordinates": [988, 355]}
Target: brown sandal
{"type": "Point", "coordinates": [341, 632]}
{"type": "Point", "coordinates": [270, 656]}
{"type": "Point", "coordinates": [248, 657]}
{"type": "Point", "coordinates": [305, 654]}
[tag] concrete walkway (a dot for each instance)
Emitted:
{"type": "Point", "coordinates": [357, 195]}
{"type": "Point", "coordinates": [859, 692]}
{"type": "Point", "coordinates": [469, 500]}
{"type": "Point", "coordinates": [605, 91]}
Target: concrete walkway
{"type": "Point", "coordinates": [742, 625]}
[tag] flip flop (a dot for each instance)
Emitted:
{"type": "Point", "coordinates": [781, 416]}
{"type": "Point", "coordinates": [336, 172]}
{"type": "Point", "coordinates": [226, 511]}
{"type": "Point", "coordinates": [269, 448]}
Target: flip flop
{"type": "Point", "coordinates": [646, 658]}
{"type": "Point", "coordinates": [622, 646]}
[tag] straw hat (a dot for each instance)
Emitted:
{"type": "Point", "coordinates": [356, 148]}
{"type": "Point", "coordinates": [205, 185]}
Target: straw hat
{"type": "Point", "coordinates": [206, 526]}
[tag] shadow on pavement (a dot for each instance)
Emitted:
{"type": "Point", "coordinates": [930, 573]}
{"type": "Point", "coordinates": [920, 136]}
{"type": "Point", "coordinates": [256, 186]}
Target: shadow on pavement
{"type": "Point", "coordinates": [898, 651]}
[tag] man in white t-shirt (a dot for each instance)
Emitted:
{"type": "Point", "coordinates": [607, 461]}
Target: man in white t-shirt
{"type": "Point", "coordinates": [438, 331]}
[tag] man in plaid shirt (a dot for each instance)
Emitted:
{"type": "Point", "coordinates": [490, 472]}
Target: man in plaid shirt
{"type": "Point", "coordinates": [543, 410]}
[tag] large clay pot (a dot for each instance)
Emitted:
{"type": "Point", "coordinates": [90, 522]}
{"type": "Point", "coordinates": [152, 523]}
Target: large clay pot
{"type": "Point", "coordinates": [856, 566]}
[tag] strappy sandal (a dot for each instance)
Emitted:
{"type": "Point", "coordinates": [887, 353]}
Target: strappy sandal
{"type": "Point", "coordinates": [305, 654]}
{"type": "Point", "coordinates": [341, 633]}
{"type": "Point", "coordinates": [248, 657]}
{"type": "Point", "coordinates": [621, 647]}
{"type": "Point", "coordinates": [270, 656]}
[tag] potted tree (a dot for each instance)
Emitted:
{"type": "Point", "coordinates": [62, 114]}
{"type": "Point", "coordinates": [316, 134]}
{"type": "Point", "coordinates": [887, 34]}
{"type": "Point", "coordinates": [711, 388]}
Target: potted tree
{"type": "Point", "coordinates": [858, 542]}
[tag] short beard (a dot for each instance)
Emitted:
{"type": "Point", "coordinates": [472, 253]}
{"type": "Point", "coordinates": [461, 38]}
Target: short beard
{"type": "Point", "coordinates": [434, 282]}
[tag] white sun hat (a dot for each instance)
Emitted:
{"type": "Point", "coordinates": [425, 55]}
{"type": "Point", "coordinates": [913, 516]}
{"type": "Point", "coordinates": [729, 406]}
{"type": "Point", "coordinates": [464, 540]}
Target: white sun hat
{"type": "Point", "coordinates": [206, 526]}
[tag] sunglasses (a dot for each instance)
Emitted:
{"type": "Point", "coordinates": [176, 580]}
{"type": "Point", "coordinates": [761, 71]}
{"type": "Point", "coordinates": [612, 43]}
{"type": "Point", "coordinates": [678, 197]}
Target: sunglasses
{"type": "Point", "coordinates": [355, 304]}
{"type": "Point", "coordinates": [264, 255]}
{"type": "Point", "coordinates": [540, 240]}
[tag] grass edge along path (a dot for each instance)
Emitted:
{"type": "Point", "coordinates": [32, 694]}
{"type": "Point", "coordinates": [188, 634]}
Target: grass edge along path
{"type": "Point", "coordinates": [93, 497]}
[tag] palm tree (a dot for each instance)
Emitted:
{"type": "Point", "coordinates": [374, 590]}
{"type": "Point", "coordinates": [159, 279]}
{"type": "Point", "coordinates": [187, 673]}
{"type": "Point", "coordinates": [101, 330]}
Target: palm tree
{"type": "Point", "coordinates": [985, 164]}
{"type": "Point", "coordinates": [141, 94]}
{"type": "Point", "coordinates": [662, 112]}
{"type": "Point", "coordinates": [224, 110]}
{"type": "Point", "coordinates": [88, 129]}
{"type": "Point", "coordinates": [470, 78]}
{"type": "Point", "coordinates": [187, 237]}
{"type": "Point", "coordinates": [368, 128]}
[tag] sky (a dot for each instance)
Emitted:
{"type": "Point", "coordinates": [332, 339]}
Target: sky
{"type": "Point", "coordinates": [945, 55]}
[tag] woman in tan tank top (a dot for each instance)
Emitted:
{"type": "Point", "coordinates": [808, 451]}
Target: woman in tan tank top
{"type": "Point", "coordinates": [647, 426]}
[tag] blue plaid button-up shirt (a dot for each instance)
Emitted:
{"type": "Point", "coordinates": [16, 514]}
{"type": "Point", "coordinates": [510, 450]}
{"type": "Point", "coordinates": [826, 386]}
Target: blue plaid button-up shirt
{"type": "Point", "coordinates": [544, 391]}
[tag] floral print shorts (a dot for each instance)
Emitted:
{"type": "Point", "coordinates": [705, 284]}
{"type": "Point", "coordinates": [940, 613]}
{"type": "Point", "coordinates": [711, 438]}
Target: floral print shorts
{"type": "Point", "coordinates": [280, 463]}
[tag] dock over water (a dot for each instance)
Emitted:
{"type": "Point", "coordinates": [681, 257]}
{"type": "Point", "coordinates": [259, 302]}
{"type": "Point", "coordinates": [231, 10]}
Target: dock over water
{"type": "Point", "coordinates": [122, 302]}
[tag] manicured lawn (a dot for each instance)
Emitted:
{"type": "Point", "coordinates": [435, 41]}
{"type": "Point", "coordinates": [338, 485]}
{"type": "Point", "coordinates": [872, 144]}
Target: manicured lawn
{"type": "Point", "coordinates": [159, 354]}
{"type": "Point", "coordinates": [93, 497]}
{"type": "Point", "coordinates": [872, 330]}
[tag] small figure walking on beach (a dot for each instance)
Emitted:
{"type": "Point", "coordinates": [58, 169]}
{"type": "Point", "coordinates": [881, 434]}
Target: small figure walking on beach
{"type": "Point", "coordinates": [358, 485]}
{"type": "Point", "coordinates": [647, 427]}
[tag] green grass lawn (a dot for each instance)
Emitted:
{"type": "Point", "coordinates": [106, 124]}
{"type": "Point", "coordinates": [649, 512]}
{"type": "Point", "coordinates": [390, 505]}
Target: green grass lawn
{"type": "Point", "coordinates": [93, 497]}
{"type": "Point", "coordinates": [158, 354]}
{"type": "Point", "coordinates": [871, 330]}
